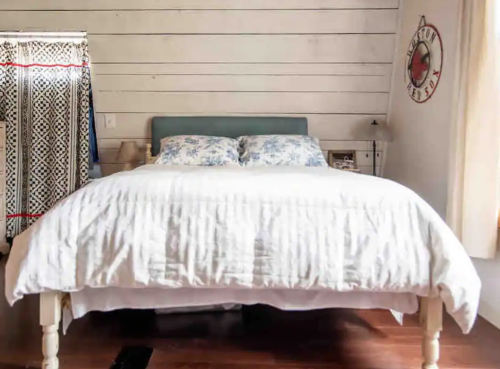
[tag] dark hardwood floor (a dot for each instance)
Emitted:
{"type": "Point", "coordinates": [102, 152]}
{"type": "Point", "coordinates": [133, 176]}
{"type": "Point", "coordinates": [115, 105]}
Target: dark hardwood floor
{"type": "Point", "coordinates": [255, 338]}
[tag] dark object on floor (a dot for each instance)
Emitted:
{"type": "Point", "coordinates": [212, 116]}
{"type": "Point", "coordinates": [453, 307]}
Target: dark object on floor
{"type": "Point", "coordinates": [133, 357]}
{"type": "Point", "coordinates": [9, 240]}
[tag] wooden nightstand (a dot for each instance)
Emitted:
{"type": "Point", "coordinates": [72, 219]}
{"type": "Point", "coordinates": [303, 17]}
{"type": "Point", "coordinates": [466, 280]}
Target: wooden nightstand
{"type": "Point", "coordinates": [337, 159]}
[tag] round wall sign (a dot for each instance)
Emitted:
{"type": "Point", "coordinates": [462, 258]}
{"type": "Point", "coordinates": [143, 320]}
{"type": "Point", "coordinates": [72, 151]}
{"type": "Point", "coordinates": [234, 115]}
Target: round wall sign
{"type": "Point", "coordinates": [424, 62]}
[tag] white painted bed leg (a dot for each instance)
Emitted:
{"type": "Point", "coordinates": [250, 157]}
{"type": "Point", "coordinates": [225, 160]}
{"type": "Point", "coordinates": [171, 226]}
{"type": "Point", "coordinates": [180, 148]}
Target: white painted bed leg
{"type": "Point", "coordinates": [50, 316]}
{"type": "Point", "coordinates": [432, 323]}
{"type": "Point", "coordinates": [423, 311]}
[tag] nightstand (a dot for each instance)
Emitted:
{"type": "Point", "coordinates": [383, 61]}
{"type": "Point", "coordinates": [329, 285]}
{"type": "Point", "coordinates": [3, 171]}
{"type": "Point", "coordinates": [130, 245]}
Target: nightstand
{"type": "Point", "coordinates": [343, 160]}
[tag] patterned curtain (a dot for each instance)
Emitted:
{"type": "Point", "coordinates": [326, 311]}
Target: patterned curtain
{"type": "Point", "coordinates": [44, 98]}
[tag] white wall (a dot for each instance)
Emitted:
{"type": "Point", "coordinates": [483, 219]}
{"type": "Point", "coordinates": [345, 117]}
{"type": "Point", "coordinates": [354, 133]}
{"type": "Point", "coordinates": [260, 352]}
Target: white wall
{"type": "Point", "coordinates": [328, 60]}
{"type": "Point", "coordinates": [419, 156]}
{"type": "Point", "coordinates": [489, 272]}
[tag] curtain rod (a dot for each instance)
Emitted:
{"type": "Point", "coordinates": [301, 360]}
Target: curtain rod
{"type": "Point", "coordinates": [43, 34]}
{"type": "Point", "coordinates": [14, 37]}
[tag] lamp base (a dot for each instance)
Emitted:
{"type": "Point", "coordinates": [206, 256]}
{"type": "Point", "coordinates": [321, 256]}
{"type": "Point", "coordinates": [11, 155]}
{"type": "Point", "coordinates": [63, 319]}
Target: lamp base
{"type": "Point", "coordinates": [374, 158]}
{"type": "Point", "coordinates": [129, 166]}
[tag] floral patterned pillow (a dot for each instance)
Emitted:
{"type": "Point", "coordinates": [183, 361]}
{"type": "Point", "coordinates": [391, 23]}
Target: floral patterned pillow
{"type": "Point", "coordinates": [198, 150]}
{"type": "Point", "coordinates": [281, 150]}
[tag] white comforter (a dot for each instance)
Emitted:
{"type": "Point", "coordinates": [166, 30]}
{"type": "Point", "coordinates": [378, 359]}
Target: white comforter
{"type": "Point", "coordinates": [279, 228]}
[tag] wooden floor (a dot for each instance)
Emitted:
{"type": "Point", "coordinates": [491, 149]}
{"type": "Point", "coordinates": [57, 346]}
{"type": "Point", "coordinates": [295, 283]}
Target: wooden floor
{"type": "Point", "coordinates": [255, 338]}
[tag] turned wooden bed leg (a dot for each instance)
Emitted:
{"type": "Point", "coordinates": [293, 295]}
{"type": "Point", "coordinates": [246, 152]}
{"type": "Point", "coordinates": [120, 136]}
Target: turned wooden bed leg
{"type": "Point", "coordinates": [149, 154]}
{"type": "Point", "coordinates": [50, 316]}
{"type": "Point", "coordinates": [431, 319]}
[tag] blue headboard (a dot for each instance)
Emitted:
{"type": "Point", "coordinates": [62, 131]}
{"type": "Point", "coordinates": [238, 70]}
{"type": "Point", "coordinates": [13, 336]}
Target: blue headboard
{"type": "Point", "coordinates": [224, 127]}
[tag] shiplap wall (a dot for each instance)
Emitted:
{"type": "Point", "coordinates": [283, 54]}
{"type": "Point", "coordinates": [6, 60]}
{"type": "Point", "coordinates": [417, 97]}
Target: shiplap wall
{"type": "Point", "coordinates": [328, 60]}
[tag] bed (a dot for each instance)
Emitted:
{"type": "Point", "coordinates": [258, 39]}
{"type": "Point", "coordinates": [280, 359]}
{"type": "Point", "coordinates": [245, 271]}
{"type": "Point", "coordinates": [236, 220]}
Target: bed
{"type": "Point", "coordinates": [294, 238]}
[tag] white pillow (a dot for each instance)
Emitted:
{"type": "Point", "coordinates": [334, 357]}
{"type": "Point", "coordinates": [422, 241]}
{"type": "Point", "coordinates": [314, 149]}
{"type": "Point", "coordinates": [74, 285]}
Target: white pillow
{"type": "Point", "coordinates": [198, 151]}
{"type": "Point", "coordinates": [281, 150]}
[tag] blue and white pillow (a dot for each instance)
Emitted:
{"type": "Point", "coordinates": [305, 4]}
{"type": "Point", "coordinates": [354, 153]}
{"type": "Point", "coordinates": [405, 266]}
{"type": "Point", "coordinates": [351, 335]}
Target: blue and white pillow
{"type": "Point", "coordinates": [281, 150]}
{"type": "Point", "coordinates": [198, 151]}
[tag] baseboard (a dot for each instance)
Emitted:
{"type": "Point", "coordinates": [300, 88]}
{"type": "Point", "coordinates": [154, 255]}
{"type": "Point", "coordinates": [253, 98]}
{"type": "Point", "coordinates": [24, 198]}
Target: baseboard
{"type": "Point", "coordinates": [490, 313]}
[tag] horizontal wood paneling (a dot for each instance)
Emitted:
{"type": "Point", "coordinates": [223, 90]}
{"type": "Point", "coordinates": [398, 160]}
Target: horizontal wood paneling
{"type": "Point", "coordinates": [242, 48]}
{"type": "Point", "coordinates": [109, 169]}
{"type": "Point", "coordinates": [203, 22]}
{"type": "Point", "coordinates": [326, 126]}
{"type": "Point", "coordinates": [340, 127]}
{"type": "Point", "coordinates": [110, 156]}
{"type": "Point", "coordinates": [224, 69]}
{"type": "Point", "coordinates": [327, 60]}
{"type": "Point", "coordinates": [194, 4]}
{"type": "Point", "coordinates": [241, 102]}
{"type": "Point", "coordinates": [368, 170]}
{"type": "Point", "coordinates": [365, 158]}
{"type": "Point", "coordinates": [347, 145]}
{"type": "Point", "coordinates": [108, 151]}
{"type": "Point", "coordinates": [244, 83]}
{"type": "Point", "coordinates": [114, 143]}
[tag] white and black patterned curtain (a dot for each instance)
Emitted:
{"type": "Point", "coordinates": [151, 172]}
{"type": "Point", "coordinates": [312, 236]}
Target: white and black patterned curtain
{"type": "Point", "coordinates": [44, 98]}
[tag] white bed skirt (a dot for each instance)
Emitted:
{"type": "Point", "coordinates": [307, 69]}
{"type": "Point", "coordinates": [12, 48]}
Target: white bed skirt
{"type": "Point", "coordinates": [108, 299]}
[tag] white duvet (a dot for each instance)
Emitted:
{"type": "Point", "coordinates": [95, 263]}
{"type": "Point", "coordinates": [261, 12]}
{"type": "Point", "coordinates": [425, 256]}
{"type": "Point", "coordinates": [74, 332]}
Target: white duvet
{"type": "Point", "coordinates": [245, 228]}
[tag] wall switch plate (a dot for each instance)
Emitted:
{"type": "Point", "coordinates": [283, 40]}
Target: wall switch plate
{"type": "Point", "coordinates": [109, 121]}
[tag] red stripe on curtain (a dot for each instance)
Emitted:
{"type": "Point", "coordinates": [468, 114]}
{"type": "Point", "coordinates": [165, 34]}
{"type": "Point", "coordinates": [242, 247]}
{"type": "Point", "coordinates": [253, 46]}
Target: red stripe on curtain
{"type": "Point", "coordinates": [24, 216]}
{"type": "Point", "coordinates": [44, 65]}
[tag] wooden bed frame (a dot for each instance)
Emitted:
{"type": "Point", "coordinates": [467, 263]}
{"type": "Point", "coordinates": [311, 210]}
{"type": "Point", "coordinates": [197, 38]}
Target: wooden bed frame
{"type": "Point", "coordinates": [52, 303]}
{"type": "Point", "coordinates": [149, 158]}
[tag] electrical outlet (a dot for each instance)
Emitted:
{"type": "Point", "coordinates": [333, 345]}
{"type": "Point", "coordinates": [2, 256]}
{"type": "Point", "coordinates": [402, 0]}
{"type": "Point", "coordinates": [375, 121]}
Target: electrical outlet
{"type": "Point", "coordinates": [109, 121]}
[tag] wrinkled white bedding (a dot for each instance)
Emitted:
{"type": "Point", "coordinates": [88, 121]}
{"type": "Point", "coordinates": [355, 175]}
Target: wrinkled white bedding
{"type": "Point", "coordinates": [245, 228]}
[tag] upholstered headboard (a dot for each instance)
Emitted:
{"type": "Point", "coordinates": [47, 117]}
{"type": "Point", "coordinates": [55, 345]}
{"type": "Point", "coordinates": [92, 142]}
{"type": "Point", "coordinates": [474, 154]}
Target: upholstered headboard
{"type": "Point", "coordinates": [223, 127]}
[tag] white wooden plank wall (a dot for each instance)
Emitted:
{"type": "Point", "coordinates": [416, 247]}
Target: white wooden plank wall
{"type": "Point", "coordinates": [328, 60]}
